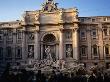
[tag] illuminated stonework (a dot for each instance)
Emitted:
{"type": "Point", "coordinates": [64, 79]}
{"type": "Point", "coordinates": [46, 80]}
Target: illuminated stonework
{"type": "Point", "coordinates": [69, 37]}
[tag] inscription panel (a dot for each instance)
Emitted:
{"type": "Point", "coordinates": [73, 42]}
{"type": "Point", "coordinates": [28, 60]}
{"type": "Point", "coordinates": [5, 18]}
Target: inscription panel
{"type": "Point", "coordinates": [49, 18]}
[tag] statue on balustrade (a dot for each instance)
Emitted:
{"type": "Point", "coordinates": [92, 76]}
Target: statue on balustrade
{"type": "Point", "coordinates": [49, 6]}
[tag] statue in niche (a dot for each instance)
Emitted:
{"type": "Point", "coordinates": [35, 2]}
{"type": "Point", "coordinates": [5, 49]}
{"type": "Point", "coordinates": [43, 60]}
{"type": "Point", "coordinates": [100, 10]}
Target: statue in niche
{"type": "Point", "coordinates": [48, 53]}
{"type": "Point", "coordinates": [69, 52]}
{"type": "Point", "coordinates": [30, 52]}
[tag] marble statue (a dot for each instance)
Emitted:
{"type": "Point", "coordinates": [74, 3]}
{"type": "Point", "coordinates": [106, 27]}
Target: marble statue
{"type": "Point", "coordinates": [49, 6]}
{"type": "Point", "coordinates": [30, 52]}
{"type": "Point", "coordinates": [48, 53]}
{"type": "Point", "coordinates": [68, 51]}
{"type": "Point", "coordinates": [31, 36]}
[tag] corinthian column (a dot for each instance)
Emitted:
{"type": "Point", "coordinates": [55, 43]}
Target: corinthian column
{"type": "Point", "coordinates": [61, 45]}
{"type": "Point", "coordinates": [75, 44]}
{"type": "Point", "coordinates": [36, 50]}
{"type": "Point", "coordinates": [24, 55]}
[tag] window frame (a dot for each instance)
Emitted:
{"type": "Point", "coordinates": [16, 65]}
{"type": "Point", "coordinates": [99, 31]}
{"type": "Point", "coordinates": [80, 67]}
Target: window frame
{"type": "Point", "coordinates": [96, 33]}
{"type": "Point", "coordinates": [9, 50]}
{"type": "Point", "coordinates": [19, 34]}
{"type": "Point", "coordinates": [105, 47]}
{"type": "Point", "coordinates": [83, 51]}
{"type": "Point", "coordinates": [95, 50]}
{"type": "Point", "coordinates": [83, 37]}
{"type": "Point", "coordinates": [16, 51]}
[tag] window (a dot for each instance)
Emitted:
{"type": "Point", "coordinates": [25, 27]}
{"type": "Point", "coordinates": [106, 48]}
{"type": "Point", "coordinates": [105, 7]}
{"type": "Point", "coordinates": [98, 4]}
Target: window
{"type": "Point", "coordinates": [83, 50]}
{"type": "Point", "coordinates": [93, 20]}
{"type": "Point", "coordinates": [94, 33]}
{"type": "Point", "coordinates": [108, 65]}
{"type": "Point", "coordinates": [95, 49]}
{"type": "Point", "coordinates": [1, 31]}
{"type": "Point", "coordinates": [82, 34]}
{"type": "Point", "coordinates": [19, 34]}
{"type": "Point", "coordinates": [8, 52]}
{"type": "Point", "coordinates": [82, 20]}
{"type": "Point", "coordinates": [1, 34]}
{"type": "Point", "coordinates": [105, 32]}
{"type": "Point", "coordinates": [18, 52]}
{"type": "Point", "coordinates": [107, 50]}
{"type": "Point", "coordinates": [9, 34]}
{"type": "Point", "coordinates": [88, 19]}
{"type": "Point", "coordinates": [1, 52]}
{"type": "Point", "coordinates": [109, 30]}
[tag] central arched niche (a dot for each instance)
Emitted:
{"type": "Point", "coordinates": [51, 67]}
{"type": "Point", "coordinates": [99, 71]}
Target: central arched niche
{"type": "Point", "coordinates": [49, 38]}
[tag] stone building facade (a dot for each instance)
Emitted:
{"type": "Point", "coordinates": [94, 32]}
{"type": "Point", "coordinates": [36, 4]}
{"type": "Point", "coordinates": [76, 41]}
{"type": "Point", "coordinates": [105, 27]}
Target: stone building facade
{"type": "Point", "coordinates": [94, 40]}
{"type": "Point", "coordinates": [60, 31]}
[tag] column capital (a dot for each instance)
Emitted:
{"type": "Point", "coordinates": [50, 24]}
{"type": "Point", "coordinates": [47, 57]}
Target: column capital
{"type": "Point", "coordinates": [75, 29]}
{"type": "Point", "coordinates": [100, 29]}
{"type": "Point", "coordinates": [61, 29]}
{"type": "Point", "coordinates": [24, 31]}
{"type": "Point", "coordinates": [36, 30]}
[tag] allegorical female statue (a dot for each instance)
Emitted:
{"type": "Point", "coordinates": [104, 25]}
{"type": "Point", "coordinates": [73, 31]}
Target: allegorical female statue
{"type": "Point", "coordinates": [30, 52]}
{"type": "Point", "coordinates": [68, 51]}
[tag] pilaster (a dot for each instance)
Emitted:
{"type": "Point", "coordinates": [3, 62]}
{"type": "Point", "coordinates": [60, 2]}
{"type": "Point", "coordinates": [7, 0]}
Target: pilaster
{"type": "Point", "coordinates": [61, 52]}
{"type": "Point", "coordinates": [14, 46]}
{"type": "Point", "coordinates": [89, 43]}
{"type": "Point", "coordinates": [100, 37]}
{"type": "Point", "coordinates": [24, 55]}
{"type": "Point", "coordinates": [37, 46]}
{"type": "Point", "coordinates": [75, 44]}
